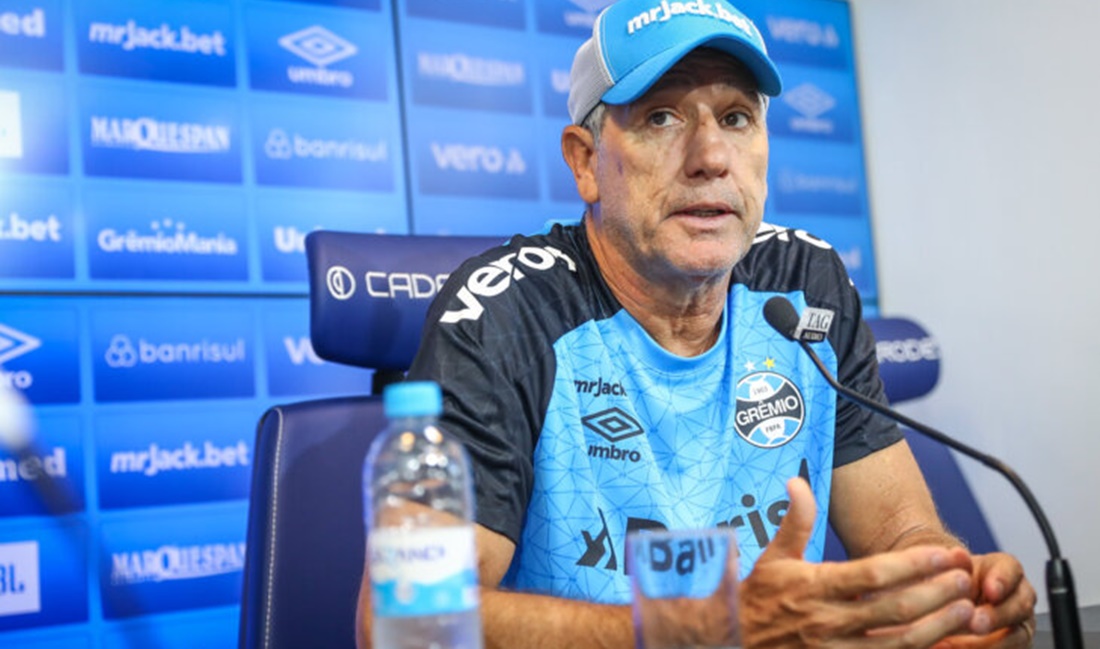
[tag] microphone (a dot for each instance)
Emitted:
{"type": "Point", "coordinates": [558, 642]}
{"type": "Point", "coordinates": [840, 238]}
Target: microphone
{"type": "Point", "coordinates": [1061, 594]}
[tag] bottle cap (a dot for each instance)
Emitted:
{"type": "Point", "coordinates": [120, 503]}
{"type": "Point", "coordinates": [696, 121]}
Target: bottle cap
{"type": "Point", "coordinates": [412, 399]}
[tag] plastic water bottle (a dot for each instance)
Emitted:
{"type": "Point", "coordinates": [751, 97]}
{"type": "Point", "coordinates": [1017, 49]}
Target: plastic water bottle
{"type": "Point", "coordinates": [419, 508]}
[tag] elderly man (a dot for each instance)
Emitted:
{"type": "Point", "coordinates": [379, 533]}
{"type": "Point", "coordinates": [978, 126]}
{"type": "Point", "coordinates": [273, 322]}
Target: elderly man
{"type": "Point", "coordinates": [617, 374]}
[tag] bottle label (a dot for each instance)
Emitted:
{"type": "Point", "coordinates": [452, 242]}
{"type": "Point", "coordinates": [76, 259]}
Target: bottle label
{"type": "Point", "coordinates": [426, 571]}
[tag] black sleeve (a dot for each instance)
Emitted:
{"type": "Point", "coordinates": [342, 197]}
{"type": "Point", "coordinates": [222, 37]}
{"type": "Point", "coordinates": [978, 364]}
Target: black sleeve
{"type": "Point", "coordinates": [859, 431]}
{"type": "Point", "coordinates": [495, 368]}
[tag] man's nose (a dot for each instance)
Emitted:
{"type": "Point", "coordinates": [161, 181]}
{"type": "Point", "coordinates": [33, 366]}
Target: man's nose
{"type": "Point", "coordinates": [709, 152]}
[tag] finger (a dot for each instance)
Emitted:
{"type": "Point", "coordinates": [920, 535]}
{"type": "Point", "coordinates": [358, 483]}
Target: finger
{"type": "Point", "coordinates": [1000, 574]}
{"type": "Point", "coordinates": [903, 606]}
{"type": "Point", "coordinates": [929, 630]}
{"type": "Point", "coordinates": [882, 572]}
{"type": "Point", "coordinates": [1015, 607]}
{"type": "Point", "coordinates": [796, 527]}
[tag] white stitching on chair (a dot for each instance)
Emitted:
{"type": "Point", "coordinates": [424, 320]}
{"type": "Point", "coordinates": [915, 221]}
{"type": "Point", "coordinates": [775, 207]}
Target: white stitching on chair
{"type": "Point", "coordinates": [273, 514]}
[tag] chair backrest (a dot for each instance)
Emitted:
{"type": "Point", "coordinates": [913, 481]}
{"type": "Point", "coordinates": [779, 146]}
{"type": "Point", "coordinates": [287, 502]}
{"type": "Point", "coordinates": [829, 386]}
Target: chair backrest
{"type": "Point", "coordinates": [368, 298]}
{"type": "Point", "coordinates": [369, 295]}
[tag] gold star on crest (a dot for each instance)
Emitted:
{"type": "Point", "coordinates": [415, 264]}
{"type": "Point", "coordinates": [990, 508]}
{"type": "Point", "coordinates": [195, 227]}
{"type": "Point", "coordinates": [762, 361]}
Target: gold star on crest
{"type": "Point", "coordinates": [769, 363]}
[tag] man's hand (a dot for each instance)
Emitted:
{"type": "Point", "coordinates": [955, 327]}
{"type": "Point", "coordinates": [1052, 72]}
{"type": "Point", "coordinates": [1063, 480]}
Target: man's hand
{"type": "Point", "coordinates": [909, 598]}
{"type": "Point", "coordinates": [1005, 613]}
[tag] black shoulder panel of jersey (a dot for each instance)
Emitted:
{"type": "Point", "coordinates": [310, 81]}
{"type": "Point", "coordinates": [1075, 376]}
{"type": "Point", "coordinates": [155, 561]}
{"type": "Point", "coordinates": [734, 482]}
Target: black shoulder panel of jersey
{"type": "Point", "coordinates": [488, 341]}
{"type": "Point", "coordinates": [783, 260]}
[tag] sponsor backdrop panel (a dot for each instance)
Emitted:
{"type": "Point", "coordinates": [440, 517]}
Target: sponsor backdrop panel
{"type": "Point", "coordinates": [160, 165]}
{"type": "Point", "coordinates": [310, 50]}
{"type": "Point", "coordinates": [172, 350]}
{"type": "Point", "coordinates": [34, 131]}
{"type": "Point", "coordinates": [44, 566]}
{"type": "Point", "coordinates": [30, 34]}
{"type": "Point", "coordinates": [170, 561]}
{"type": "Point", "coordinates": [160, 133]}
{"type": "Point", "coordinates": [294, 369]}
{"type": "Point", "coordinates": [468, 67]}
{"type": "Point", "coordinates": [508, 14]}
{"type": "Point", "coordinates": [57, 457]}
{"type": "Point", "coordinates": [311, 143]}
{"type": "Point", "coordinates": [179, 41]}
{"type": "Point", "coordinates": [166, 235]}
{"type": "Point", "coordinates": [187, 630]}
{"type": "Point", "coordinates": [283, 218]}
{"type": "Point", "coordinates": [36, 231]}
{"type": "Point", "coordinates": [38, 350]}
{"type": "Point", "coordinates": [173, 456]}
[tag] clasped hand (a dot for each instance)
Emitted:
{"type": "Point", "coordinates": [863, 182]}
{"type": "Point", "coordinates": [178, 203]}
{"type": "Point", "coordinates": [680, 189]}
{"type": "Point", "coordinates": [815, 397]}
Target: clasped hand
{"type": "Point", "coordinates": [919, 597]}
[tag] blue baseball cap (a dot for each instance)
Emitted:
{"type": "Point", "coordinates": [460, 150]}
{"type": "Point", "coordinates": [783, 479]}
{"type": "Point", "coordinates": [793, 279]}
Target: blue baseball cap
{"type": "Point", "coordinates": [634, 42]}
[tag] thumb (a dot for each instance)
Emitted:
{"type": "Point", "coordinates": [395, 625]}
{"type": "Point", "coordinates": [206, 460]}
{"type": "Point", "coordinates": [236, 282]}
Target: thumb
{"type": "Point", "coordinates": [798, 523]}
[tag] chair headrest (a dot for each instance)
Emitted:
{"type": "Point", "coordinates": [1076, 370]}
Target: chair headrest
{"type": "Point", "coordinates": [369, 293]}
{"type": "Point", "coordinates": [908, 358]}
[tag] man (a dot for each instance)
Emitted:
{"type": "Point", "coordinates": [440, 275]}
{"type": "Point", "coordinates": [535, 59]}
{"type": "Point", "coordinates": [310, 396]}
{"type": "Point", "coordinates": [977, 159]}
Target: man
{"type": "Point", "coordinates": [618, 374]}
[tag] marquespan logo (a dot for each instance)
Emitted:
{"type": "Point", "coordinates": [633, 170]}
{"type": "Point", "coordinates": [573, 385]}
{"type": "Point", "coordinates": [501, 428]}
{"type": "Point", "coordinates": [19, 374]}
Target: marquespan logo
{"type": "Point", "coordinates": [770, 409]}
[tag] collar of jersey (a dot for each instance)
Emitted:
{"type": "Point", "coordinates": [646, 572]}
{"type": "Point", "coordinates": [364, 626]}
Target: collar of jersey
{"type": "Point", "coordinates": [643, 346]}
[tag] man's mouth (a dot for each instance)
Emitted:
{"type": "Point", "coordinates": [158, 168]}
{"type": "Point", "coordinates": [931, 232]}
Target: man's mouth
{"type": "Point", "coordinates": [706, 211]}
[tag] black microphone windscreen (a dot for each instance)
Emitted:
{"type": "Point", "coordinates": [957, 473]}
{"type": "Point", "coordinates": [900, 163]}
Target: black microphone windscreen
{"type": "Point", "coordinates": [780, 314]}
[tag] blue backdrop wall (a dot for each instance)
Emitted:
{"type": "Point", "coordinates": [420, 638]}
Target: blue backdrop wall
{"type": "Point", "coordinates": [160, 164]}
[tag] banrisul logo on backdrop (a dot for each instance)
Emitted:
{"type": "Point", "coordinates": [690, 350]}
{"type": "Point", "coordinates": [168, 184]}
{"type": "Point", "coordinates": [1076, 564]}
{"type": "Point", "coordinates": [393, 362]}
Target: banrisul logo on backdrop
{"type": "Point", "coordinates": [36, 239]}
{"type": "Point", "coordinates": [819, 36]}
{"type": "Point", "coordinates": [821, 106]}
{"type": "Point", "coordinates": [804, 180]}
{"type": "Point", "coordinates": [168, 350]}
{"type": "Point", "coordinates": [31, 34]}
{"type": "Point", "coordinates": [189, 42]}
{"type": "Point", "coordinates": [571, 17]}
{"type": "Point", "coordinates": [194, 235]}
{"type": "Point", "coordinates": [312, 51]}
{"type": "Point", "coordinates": [492, 13]}
{"type": "Point", "coordinates": [493, 158]}
{"type": "Point", "coordinates": [195, 456]}
{"type": "Point", "coordinates": [338, 147]}
{"type": "Point", "coordinates": [170, 563]}
{"type": "Point", "coordinates": [33, 126]}
{"type": "Point", "coordinates": [150, 134]}
{"type": "Point", "coordinates": [454, 68]}
{"type": "Point", "coordinates": [58, 456]}
{"type": "Point", "coordinates": [39, 353]}
{"type": "Point", "coordinates": [45, 580]}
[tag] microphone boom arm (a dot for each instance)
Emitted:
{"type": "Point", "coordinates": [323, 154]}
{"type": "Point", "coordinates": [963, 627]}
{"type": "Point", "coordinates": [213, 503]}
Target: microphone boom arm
{"type": "Point", "coordinates": [1061, 594]}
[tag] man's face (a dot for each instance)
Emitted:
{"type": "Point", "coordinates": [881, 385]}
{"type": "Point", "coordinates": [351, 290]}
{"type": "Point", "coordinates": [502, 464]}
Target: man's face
{"type": "Point", "coordinates": [681, 173]}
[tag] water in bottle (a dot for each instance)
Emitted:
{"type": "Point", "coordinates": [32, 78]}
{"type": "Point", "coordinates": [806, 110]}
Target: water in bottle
{"type": "Point", "coordinates": [418, 504]}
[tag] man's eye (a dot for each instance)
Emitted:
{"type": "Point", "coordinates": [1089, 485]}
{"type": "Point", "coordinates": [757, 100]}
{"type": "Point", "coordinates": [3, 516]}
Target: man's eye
{"type": "Point", "coordinates": [737, 120]}
{"type": "Point", "coordinates": [660, 118]}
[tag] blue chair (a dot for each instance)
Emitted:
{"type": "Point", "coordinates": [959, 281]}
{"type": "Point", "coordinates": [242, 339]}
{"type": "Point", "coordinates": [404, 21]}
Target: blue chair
{"type": "Point", "coordinates": [369, 295]}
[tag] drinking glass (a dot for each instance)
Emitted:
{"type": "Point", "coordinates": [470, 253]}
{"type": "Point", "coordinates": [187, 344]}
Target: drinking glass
{"type": "Point", "coordinates": [684, 585]}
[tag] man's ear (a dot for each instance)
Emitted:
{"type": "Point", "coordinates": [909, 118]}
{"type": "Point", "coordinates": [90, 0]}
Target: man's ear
{"type": "Point", "coordinates": [579, 150]}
